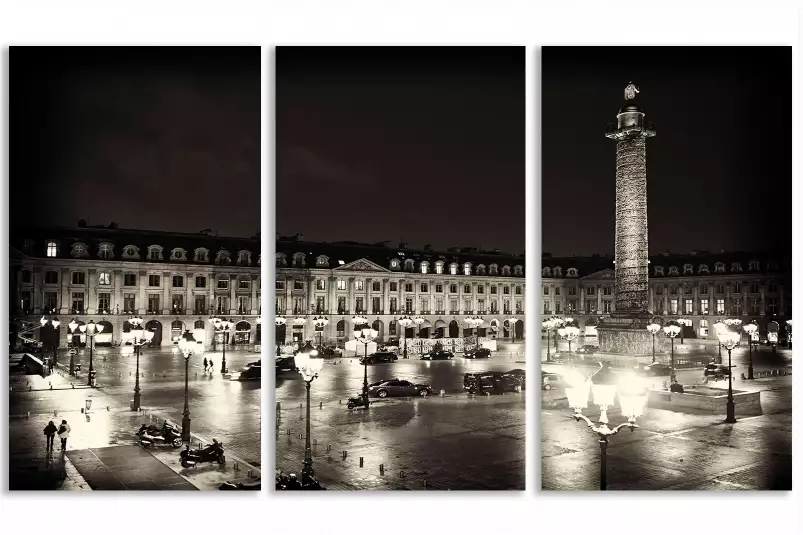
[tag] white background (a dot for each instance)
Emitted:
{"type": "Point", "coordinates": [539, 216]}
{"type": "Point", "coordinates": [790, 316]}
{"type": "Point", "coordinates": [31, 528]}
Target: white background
{"type": "Point", "coordinates": [405, 23]}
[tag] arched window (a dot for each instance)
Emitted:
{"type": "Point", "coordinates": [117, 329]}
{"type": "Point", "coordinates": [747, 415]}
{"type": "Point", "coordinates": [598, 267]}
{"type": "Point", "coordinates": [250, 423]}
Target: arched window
{"type": "Point", "coordinates": [155, 252]}
{"type": "Point", "coordinates": [322, 261]}
{"type": "Point", "coordinates": [518, 271]}
{"type": "Point", "coordinates": [494, 270]}
{"type": "Point", "coordinates": [409, 265]}
{"type": "Point", "coordinates": [299, 260]}
{"type": "Point", "coordinates": [467, 268]}
{"type": "Point", "coordinates": [753, 265]}
{"type": "Point", "coordinates": [546, 272]}
{"type": "Point", "coordinates": [673, 270]}
{"type": "Point", "coordinates": [658, 271]}
{"type": "Point", "coordinates": [223, 258]}
{"type": "Point", "coordinates": [688, 269]}
{"type": "Point", "coordinates": [719, 267]}
{"type": "Point", "coordinates": [480, 269]}
{"type": "Point", "coordinates": [571, 272]}
{"type": "Point", "coordinates": [106, 251]}
{"type": "Point", "coordinates": [281, 260]}
{"type": "Point", "coordinates": [453, 269]}
{"type": "Point", "coordinates": [703, 268]}
{"type": "Point", "coordinates": [178, 254]}
{"type": "Point", "coordinates": [395, 264]}
{"type": "Point", "coordinates": [244, 258]}
{"type": "Point", "coordinates": [557, 271]}
{"type": "Point", "coordinates": [201, 254]}
{"type": "Point", "coordinates": [736, 267]}
{"type": "Point", "coordinates": [79, 250]}
{"type": "Point", "coordinates": [131, 252]}
{"type": "Point", "coordinates": [506, 271]}
{"type": "Point", "coordinates": [424, 267]}
{"type": "Point", "coordinates": [439, 267]}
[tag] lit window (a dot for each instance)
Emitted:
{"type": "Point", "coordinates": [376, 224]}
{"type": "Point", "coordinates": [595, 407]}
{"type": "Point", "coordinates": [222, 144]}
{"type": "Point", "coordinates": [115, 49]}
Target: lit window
{"type": "Point", "coordinates": [223, 282]}
{"type": "Point", "coordinates": [424, 268]}
{"type": "Point", "coordinates": [453, 269]}
{"type": "Point", "coordinates": [104, 278]}
{"type": "Point", "coordinates": [358, 285]}
{"type": "Point", "coordinates": [439, 268]}
{"type": "Point", "coordinates": [466, 269]}
{"type": "Point", "coordinates": [341, 284]}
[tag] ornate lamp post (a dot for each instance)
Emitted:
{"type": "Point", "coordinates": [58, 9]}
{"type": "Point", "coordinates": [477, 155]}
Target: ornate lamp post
{"type": "Point", "coordinates": [671, 330]}
{"type": "Point", "coordinates": [719, 325]}
{"type": "Point", "coordinates": [365, 335]}
{"type": "Point", "coordinates": [683, 322]}
{"type": "Point", "coordinates": [547, 326]}
{"type": "Point", "coordinates": [73, 326]}
{"type": "Point", "coordinates": [137, 337]}
{"type": "Point", "coordinates": [405, 322]}
{"type": "Point", "coordinates": [320, 322]}
{"type": "Point", "coordinates": [474, 323]}
{"type": "Point", "coordinates": [223, 326]}
{"type": "Point", "coordinates": [308, 367]}
{"type": "Point", "coordinates": [653, 328]}
{"type": "Point", "coordinates": [557, 323]}
{"type": "Point", "coordinates": [569, 333]}
{"type": "Point", "coordinates": [91, 329]}
{"type": "Point", "coordinates": [749, 329]}
{"type": "Point", "coordinates": [280, 320]}
{"type": "Point", "coordinates": [729, 339]}
{"type": "Point", "coordinates": [733, 323]}
{"type": "Point", "coordinates": [789, 333]}
{"type": "Point", "coordinates": [418, 320]}
{"type": "Point", "coordinates": [632, 398]}
{"type": "Point", "coordinates": [189, 346]}
{"type": "Point", "coordinates": [55, 324]}
{"type": "Point", "coordinates": [512, 322]}
{"type": "Point", "coordinates": [259, 334]}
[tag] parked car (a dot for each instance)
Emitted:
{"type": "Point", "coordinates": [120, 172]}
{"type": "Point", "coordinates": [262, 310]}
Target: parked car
{"type": "Point", "coordinates": [379, 357]}
{"type": "Point", "coordinates": [519, 374]}
{"type": "Point", "coordinates": [438, 355]}
{"type": "Point", "coordinates": [285, 364]}
{"type": "Point", "coordinates": [398, 388]}
{"type": "Point", "coordinates": [717, 371]}
{"type": "Point", "coordinates": [496, 382]}
{"type": "Point", "coordinates": [478, 353]}
{"type": "Point", "coordinates": [586, 350]}
{"type": "Point", "coordinates": [328, 352]}
{"type": "Point", "coordinates": [251, 372]}
{"type": "Point", "coordinates": [551, 380]}
{"type": "Point", "coordinates": [655, 369]}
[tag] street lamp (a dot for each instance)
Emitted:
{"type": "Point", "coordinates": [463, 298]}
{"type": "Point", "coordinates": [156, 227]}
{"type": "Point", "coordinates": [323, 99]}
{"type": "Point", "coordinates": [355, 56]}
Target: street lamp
{"type": "Point", "coordinates": [671, 330]}
{"type": "Point", "coordinates": [719, 326]}
{"type": "Point", "coordinates": [683, 322]}
{"type": "Point", "coordinates": [512, 322]}
{"type": "Point", "coordinates": [91, 329]}
{"type": "Point", "coordinates": [547, 326]}
{"type": "Point", "coordinates": [73, 326]}
{"type": "Point", "coordinates": [569, 333]}
{"type": "Point", "coordinates": [405, 322]}
{"type": "Point", "coordinates": [557, 323]}
{"type": "Point", "coordinates": [632, 398]}
{"type": "Point", "coordinates": [474, 322]}
{"type": "Point", "coordinates": [188, 346]}
{"type": "Point", "coordinates": [789, 333]}
{"type": "Point", "coordinates": [55, 324]}
{"type": "Point", "coordinates": [300, 320]}
{"type": "Point", "coordinates": [320, 322]}
{"type": "Point", "coordinates": [653, 328]}
{"type": "Point", "coordinates": [729, 339]}
{"type": "Point", "coordinates": [280, 320]}
{"type": "Point", "coordinates": [137, 337]}
{"type": "Point", "coordinates": [308, 367]}
{"type": "Point", "coordinates": [223, 326]}
{"type": "Point", "coordinates": [749, 329]}
{"type": "Point", "coordinates": [365, 335]}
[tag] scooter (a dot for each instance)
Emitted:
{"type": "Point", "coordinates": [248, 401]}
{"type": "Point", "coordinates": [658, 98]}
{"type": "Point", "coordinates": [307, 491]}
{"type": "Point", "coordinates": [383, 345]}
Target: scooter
{"type": "Point", "coordinates": [291, 482]}
{"type": "Point", "coordinates": [255, 485]}
{"type": "Point", "coordinates": [358, 401]}
{"type": "Point", "coordinates": [211, 453]}
{"type": "Point", "coordinates": [150, 435]}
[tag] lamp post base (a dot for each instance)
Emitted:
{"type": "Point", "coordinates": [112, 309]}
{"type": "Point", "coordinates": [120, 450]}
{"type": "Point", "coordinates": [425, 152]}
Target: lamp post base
{"type": "Point", "coordinates": [750, 372]}
{"type": "Point", "coordinates": [731, 412]}
{"type": "Point", "coordinates": [136, 405]}
{"type": "Point", "coordinates": [185, 429]}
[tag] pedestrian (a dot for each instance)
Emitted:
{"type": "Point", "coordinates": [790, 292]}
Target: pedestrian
{"type": "Point", "coordinates": [64, 433]}
{"type": "Point", "coordinates": [211, 366]}
{"type": "Point", "coordinates": [206, 363]}
{"type": "Point", "coordinates": [50, 433]}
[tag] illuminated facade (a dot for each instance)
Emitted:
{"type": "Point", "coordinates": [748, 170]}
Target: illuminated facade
{"type": "Point", "coordinates": [344, 279]}
{"type": "Point", "coordinates": [175, 281]}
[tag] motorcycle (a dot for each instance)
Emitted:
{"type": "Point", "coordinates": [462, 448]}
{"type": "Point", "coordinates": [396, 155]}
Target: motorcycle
{"type": "Point", "coordinates": [357, 401]}
{"type": "Point", "coordinates": [211, 453]}
{"type": "Point", "coordinates": [255, 485]}
{"type": "Point", "coordinates": [167, 434]}
{"type": "Point", "coordinates": [291, 482]}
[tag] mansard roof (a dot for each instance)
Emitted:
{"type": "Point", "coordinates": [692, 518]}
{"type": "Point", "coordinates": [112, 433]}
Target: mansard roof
{"type": "Point", "coordinates": [93, 237]}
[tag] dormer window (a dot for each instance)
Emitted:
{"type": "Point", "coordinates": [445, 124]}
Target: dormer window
{"type": "Point", "coordinates": [673, 270]}
{"type": "Point", "coordinates": [688, 269]}
{"type": "Point", "coordinates": [506, 271]}
{"type": "Point", "coordinates": [51, 249]}
{"type": "Point", "coordinates": [439, 267]}
{"type": "Point", "coordinates": [467, 269]}
{"type": "Point", "coordinates": [424, 267]}
{"type": "Point", "coordinates": [223, 258]}
{"type": "Point", "coordinates": [736, 267]}
{"type": "Point", "coordinates": [772, 266]}
{"type": "Point", "coordinates": [201, 254]}
{"type": "Point", "coordinates": [518, 271]}
{"type": "Point", "coordinates": [281, 260]}
{"type": "Point", "coordinates": [409, 265]}
{"type": "Point", "coordinates": [130, 252]}
{"type": "Point", "coordinates": [494, 270]}
{"type": "Point", "coordinates": [299, 260]}
{"type": "Point", "coordinates": [395, 263]}
{"type": "Point", "coordinates": [106, 251]}
{"type": "Point", "coordinates": [658, 271]}
{"type": "Point", "coordinates": [79, 250]}
{"type": "Point", "coordinates": [244, 258]}
{"type": "Point", "coordinates": [453, 269]}
{"type": "Point", "coordinates": [719, 267]}
{"type": "Point", "coordinates": [480, 269]}
{"type": "Point", "coordinates": [178, 254]}
{"type": "Point", "coordinates": [546, 272]}
{"type": "Point", "coordinates": [322, 261]}
{"type": "Point", "coordinates": [155, 252]}
{"type": "Point", "coordinates": [753, 265]}
{"type": "Point", "coordinates": [571, 272]}
{"type": "Point", "coordinates": [557, 271]}
{"type": "Point", "coordinates": [703, 269]}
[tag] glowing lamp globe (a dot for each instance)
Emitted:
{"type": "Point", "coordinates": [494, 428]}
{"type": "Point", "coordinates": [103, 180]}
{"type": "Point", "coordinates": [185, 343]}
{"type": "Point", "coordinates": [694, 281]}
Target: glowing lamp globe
{"type": "Point", "coordinates": [653, 328]}
{"type": "Point", "coordinates": [728, 339]}
{"type": "Point", "coordinates": [405, 321]}
{"type": "Point", "coordinates": [632, 397]}
{"type": "Point", "coordinates": [55, 322]}
{"type": "Point", "coordinates": [43, 321]}
{"type": "Point", "coordinates": [603, 387]}
{"type": "Point", "coordinates": [72, 325]}
{"type": "Point", "coordinates": [578, 390]}
{"type": "Point", "coordinates": [280, 320]}
{"type": "Point", "coordinates": [672, 330]}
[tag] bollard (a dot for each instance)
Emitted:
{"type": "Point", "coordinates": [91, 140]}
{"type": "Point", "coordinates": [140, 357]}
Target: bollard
{"type": "Point", "coordinates": [200, 445]}
{"type": "Point", "coordinates": [29, 388]}
{"type": "Point", "coordinates": [328, 448]}
{"type": "Point", "coordinates": [55, 413]}
{"type": "Point", "coordinates": [27, 415]}
{"type": "Point", "coordinates": [443, 392]}
{"type": "Point", "coordinates": [300, 435]}
{"type": "Point", "coordinates": [381, 469]}
{"type": "Point", "coordinates": [250, 473]}
{"type": "Point", "coordinates": [314, 441]}
{"type": "Point", "coordinates": [236, 466]}
{"type": "Point", "coordinates": [107, 408]}
{"type": "Point", "coordinates": [401, 474]}
{"type": "Point", "coordinates": [288, 431]}
{"type": "Point", "coordinates": [345, 454]}
{"type": "Point", "coordinates": [360, 462]}
{"type": "Point", "coordinates": [278, 407]}
{"type": "Point", "coordinates": [425, 484]}
{"type": "Point", "coordinates": [339, 401]}
{"type": "Point", "coordinates": [300, 405]}
{"type": "Point", "coordinates": [320, 405]}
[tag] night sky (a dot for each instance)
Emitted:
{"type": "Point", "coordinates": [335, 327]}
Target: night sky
{"type": "Point", "coordinates": [719, 170]}
{"type": "Point", "coordinates": [160, 138]}
{"type": "Point", "coordinates": [380, 143]}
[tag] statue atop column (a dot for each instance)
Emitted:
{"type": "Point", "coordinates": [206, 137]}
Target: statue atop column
{"type": "Point", "coordinates": [631, 91]}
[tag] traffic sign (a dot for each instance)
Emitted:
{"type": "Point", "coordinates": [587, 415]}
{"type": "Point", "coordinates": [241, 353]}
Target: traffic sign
{"type": "Point", "coordinates": [73, 352]}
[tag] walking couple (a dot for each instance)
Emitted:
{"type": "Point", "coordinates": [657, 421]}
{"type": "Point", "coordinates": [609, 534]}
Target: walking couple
{"type": "Point", "coordinates": [208, 365]}
{"type": "Point", "coordinates": [63, 431]}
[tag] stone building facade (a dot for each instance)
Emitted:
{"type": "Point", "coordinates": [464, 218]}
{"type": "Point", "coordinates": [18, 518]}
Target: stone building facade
{"type": "Point", "coordinates": [701, 287]}
{"type": "Point", "coordinates": [384, 283]}
{"type": "Point", "coordinates": [174, 281]}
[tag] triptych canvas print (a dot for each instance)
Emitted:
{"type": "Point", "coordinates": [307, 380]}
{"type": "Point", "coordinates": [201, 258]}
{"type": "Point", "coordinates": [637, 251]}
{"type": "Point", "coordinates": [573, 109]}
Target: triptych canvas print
{"type": "Point", "coordinates": [403, 327]}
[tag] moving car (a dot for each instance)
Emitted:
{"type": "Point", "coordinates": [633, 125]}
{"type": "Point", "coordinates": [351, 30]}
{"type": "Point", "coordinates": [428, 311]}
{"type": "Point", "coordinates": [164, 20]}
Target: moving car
{"type": "Point", "coordinates": [478, 353]}
{"type": "Point", "coordinates": [586, 350]}
{"type": "Point", "coordinates": [398, 388]}
{"type": "Point", "coordinates": [327, 352]}
{"type": "Point", "coordinates": [438, 355]}
{"type": "Point", "coordinates": [550, 381]}
{"type": "Point", "coordinates": [519, 374]}
{"type": "Point", "coordinates": [285, 364]}
{"type": "Point", "coordinates": [717, 371]}
{"type": "Point", "coordinates": [251, 372]}
{"type": "Point", "coordinates": [496, 382]}
{"type": "Point", "coordinates": [379, 357]}
{"type": "Point", "coordinates": [655, 369]}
